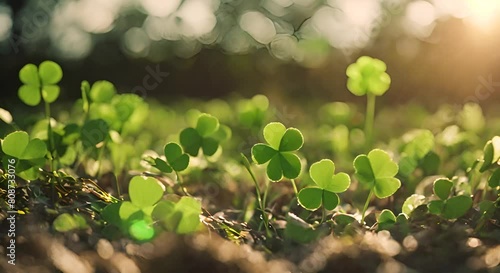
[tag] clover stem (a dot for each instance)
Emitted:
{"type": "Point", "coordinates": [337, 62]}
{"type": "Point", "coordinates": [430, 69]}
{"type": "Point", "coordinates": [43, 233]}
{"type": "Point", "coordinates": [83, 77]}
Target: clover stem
{"type": "Point", "coordinates": [369, 119]}
{"type": "Point", "coordinates": [323, 210]}
{"type": "Point", "coordinates": [260, 200]}
{"type": "Point", "coordinates": [294, 187]}
{"type": "Point", "coordinates": [49, 135]}
{"type": "Point", "coordinates": [370, 195]}
{"type": "Point", "coordinates": [180, 183]}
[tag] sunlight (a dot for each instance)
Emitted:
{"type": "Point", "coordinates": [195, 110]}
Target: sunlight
{"type": "Point", "coordinates": [483, 13]}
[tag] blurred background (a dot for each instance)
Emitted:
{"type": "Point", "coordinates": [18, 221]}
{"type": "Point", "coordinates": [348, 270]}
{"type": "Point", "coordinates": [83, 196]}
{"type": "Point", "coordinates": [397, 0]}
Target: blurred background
{"type": "Point", "coordinates": [436, 51]}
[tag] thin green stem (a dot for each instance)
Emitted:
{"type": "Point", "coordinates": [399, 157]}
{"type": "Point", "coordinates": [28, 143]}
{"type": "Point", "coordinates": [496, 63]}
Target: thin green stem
{"type": "Point", "coordinates": [100, 155]}
{"type": "Point", "coordinates": [178, 178]}
{"type": "Point", "coordinates": [295, 187]}
{"type": "Point", "coordinates": [370, 195]}
{"type": "Point", "coordinates": [260, 200]}
{"type": "Point", "coordinates": [369, 119]}
{"type": "Point", "coordinates": [266, 193]}
{"type": "Point", "coordinates": [49, 135]}
{"type": "Point", "coordinates": [323, 210]}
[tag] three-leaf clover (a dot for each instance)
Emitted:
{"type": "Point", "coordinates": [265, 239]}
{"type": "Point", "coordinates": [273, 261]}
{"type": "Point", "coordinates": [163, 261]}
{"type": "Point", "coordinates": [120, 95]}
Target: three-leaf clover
{"type": "Point", "coordinates": [386, 220]}
{"type": "Point", "coordinates": [202, 136]}
{"type": "Point", "coordinates": [176, 159]}
{"type": "Point", "coordinates": [282, 142]}
{"type": "Point", "coordinates": [40, 83]}
{"type": "Point", "coordinates": [377, 170]}
{"type": "Point", "coordinates": [328, 185]}
{"type": "Point", "coordinates": [367, 76]}
{"type": "Point", "coordinates": [448, 207]}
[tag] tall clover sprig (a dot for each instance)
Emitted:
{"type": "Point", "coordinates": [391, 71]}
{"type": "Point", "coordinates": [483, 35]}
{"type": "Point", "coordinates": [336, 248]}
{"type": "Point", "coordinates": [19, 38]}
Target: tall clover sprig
{"type": "Point", "coordinates": [367, 76]}
{"type": "Point", "coordinates": [41, 83]}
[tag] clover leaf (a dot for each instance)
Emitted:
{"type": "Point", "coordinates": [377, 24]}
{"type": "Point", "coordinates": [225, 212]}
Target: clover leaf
{"type": "Point", "coordinates": [144, 191]}
{"type": "Point", "coordinates": [134, 217]}
{"type": "Point", "coordinates": [182, 217]}
{"type": "Point", "coordinates": [282, 142]}
{"type": "Point", "coordinates": [67, 222]}
{"type": "Point", "coordinates": [412, 202]}
{"type": "Point", "coordinates": [328, 185]}
{"type": "Point", "coordinates": [102, 91]}
{"type": "Point", "coordinates": [386, 220]}
{"type": "Point", "coordinates": [40, 83]}
{"type": "Point", "coordinates": [491, 153]}
{"type": "Point", "coordinates": [442, 188]}
{"type": "Point", "coordinates": [367, 75]}
{"type": "Point", "coordinates": [204, 136]}
{"type": "Point", "coordinates": [448, 207]}
{"type": "Point", "coordinates": [377, 170]}
{"type": "Point", "coordinates": [176, 159]}
{"type": "Point", "coordinates": [30, 153]}
{"type": "Point", "coordinates": [494, 179]}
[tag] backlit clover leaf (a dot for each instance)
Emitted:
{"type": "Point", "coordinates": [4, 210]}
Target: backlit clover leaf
{"type": "Point", "coordinates": [206, 135]}
{"type": "Point", "coordinates": [367, 75]}
{"type": "Point", "coordinates": [30, 154]}
{"type": "Point", "coordinates": [491, 154]}
{"type": "Point", "coordinates": [328, 185]}
{"type": "Point", "coordinates": [448, 207]}
{"type": "Point", "coordinates": [177, 160]}
{"type": "Point", "coordinates": [134, 217]}
{"type": "Point", "coordinates": [377, 170]}
{"type": "Point", "coordinates": [282, 142]}
{"type": "Point", "coordinates": [182, 217]}
{"type": "Point", "coordinates": [40, 82]}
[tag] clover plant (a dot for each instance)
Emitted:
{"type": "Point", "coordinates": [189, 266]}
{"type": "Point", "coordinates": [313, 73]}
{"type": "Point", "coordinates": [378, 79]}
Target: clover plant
{"type": "Point", "coordinates": [40, 83]}
{"type": "Point", "coordinates": [448, 207]}
{"type": "Point", "coordinates": [134, 217]}
{"type": "Point", "coordinates": [176, 161]}
{"type": "Point", "coordinates": [367, 76]}
{"type": "Point", "coordinates": [279, 151]}
{"type": "Point", "coordinates": [376, 171]}
{"type": "Point", "coordinates": [182, 217]}
{"type": "Point", "coordinates": [206, 135]}
{"type": "Point", "coordinates": [124, 113]}
{"type": "Point", "coordinates": [138, 216]}
{"type": "Point", "coordinates": [328, 184]}
{"type": "Point", "coordinates": [68, 222]}
{"type": "Point", "coordinates": [29, 154]}
{"type": "Point", "coordinates": [252, 113]}
{"type": "Point", "coordinates": [418, 145]}
{"type": "Point", "coordinates": [386, 220]}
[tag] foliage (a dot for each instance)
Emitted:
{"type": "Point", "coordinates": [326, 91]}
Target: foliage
{"type": "Point", "coordinates": [40, 83]}
{"type": "Point", "coordinates": [29, 154]}
{"type": "Point", "coordinates": [328, 185]}
{"type": "Point", "coordinates": [446, 206]}
{"type": "Point", "coordinates": [207, 135]}
{"type": "Point", "coordinates": [65, 166]}
{"type": "Point", "coordinates": [281, 143]}
{"type": "Point", "coordinates": [367, 76]}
